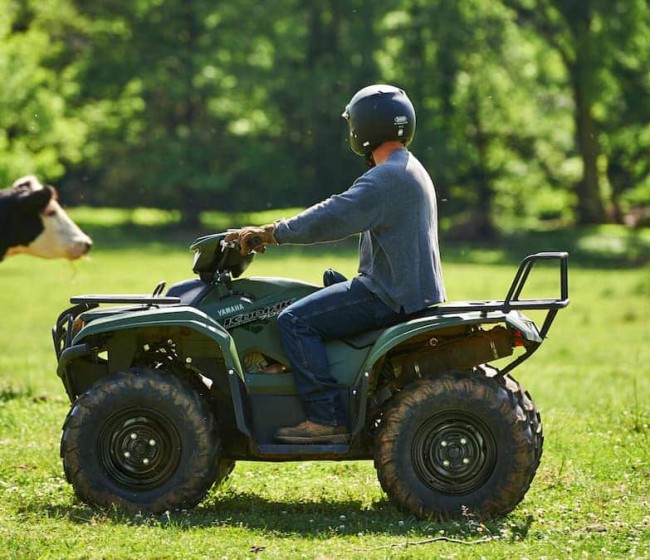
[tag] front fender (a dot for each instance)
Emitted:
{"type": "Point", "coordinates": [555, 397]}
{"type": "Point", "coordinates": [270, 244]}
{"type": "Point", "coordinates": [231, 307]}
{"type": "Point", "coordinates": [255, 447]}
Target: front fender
{"type": "Point", "coordinates": [199, 334]}
{"type": "Point", "coordinates": [166, 317]}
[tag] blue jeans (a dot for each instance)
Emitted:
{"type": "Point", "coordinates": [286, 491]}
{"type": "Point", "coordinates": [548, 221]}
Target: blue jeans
{"type": "Point", "coordinates": [336, 311]}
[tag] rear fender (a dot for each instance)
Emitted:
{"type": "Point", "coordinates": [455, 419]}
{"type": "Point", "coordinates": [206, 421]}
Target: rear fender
{"type": "Point", "coordinates": [398, 334]}
{"type": "Point", "coordinates": [437, 322]}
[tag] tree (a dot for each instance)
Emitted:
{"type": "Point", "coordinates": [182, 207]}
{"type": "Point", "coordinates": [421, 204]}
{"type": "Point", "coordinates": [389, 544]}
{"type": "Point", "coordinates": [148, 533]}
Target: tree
{"type": "Point", "coordinates": [324, 54]}
{"type": "Point", "coordinates": [626, 129]}
{"type": "Point", "coordinates": [489, 137]}
{"type": "Point", "coordinates": [223, 107]}
{"type": "Point", "coordinates": [194, 105]}
{"type": "Point", "coordinates": [572, 28]}
{"type": "Point", "coordinates": [167, 139]}
{"type": "Point", "coordinates": [39, 133]}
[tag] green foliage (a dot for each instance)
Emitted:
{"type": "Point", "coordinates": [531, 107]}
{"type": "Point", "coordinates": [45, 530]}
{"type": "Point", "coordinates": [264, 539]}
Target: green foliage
{"type": "Point", "coordinates": [528, 109]}
{"type": "Point", "coordinates": [609, 86]}
{"type": "Point", "coordinates": [39, 133]}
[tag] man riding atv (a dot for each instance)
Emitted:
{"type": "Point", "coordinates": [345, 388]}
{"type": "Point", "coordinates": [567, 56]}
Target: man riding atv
{"type": "Point", "coordinates": [393, 207]}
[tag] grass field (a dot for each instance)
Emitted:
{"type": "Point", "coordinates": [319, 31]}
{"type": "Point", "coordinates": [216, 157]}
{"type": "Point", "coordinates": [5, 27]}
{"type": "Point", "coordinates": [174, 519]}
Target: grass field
{"type": "Point", "coordinates": [590, 380]}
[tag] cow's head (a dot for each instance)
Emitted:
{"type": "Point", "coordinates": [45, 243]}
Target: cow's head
{"type": "Point", "coordinates": [33, 223]}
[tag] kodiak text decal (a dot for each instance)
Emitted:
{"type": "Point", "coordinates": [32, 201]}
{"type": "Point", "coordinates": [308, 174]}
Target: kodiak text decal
{"type": "Point", "coordinates": [257, 314]}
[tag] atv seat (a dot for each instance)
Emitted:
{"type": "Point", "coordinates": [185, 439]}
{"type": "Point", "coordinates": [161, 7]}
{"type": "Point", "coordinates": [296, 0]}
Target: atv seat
{"type": "Point", "coordinates": [364, 339]}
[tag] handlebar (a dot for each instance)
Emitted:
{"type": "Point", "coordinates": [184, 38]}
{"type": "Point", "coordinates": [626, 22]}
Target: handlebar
{"type": "Point", "coordinates": [254, 244]}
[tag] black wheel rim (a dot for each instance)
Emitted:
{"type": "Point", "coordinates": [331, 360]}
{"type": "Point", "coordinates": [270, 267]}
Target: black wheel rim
{"type": "Point", "coordinates": [454, 452]}
{"type": "Point", "coordinates": [139, 449]}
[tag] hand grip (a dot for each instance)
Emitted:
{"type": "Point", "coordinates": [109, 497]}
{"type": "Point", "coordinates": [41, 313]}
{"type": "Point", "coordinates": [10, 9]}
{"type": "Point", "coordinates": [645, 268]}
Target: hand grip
{"type": "Point", "coordinates": [255, 241]}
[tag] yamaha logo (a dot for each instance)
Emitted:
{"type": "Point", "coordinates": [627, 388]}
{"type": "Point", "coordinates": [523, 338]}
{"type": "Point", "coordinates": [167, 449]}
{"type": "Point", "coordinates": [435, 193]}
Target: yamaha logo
{"type": "Point", "coordinates": [230, 309]}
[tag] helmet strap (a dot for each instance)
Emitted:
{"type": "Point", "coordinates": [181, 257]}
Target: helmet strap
{"type": "Point", "coordinates": [370, 161]}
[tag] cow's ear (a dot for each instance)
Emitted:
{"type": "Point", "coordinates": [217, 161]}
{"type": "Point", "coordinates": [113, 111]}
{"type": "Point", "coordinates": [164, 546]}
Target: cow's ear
{"type": "Point", "coordinates": [37, 200]}
{"type": "Point", "coordinates": [55, 193]}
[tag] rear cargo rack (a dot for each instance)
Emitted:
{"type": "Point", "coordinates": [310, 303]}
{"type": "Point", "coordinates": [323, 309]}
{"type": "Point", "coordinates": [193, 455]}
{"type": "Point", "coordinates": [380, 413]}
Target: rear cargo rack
{"type": "Point", "coordinates": [513, 299]}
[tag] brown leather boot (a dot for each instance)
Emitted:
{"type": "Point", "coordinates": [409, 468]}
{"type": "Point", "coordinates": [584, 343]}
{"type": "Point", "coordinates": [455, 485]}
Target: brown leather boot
{"type": "Point", "coordinates": [311, 432]}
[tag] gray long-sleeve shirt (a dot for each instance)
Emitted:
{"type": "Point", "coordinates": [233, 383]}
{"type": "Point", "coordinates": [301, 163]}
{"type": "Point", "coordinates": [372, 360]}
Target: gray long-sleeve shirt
{"type": "Point", "coordinates": [393, 207]}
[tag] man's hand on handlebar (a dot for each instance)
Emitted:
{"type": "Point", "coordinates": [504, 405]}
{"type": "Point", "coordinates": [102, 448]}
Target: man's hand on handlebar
{"type": "Point", "coordinates": [252, 238]}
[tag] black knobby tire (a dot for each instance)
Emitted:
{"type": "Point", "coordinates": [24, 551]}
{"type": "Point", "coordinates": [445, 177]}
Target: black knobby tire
{"type": "Point", "coordinates": [457, 444]}
{"type": "Point", "coordinates": [141, 440]}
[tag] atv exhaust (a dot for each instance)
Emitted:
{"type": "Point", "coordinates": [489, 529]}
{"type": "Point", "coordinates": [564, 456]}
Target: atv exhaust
{"type": "Point", "coordinates": [458, 353]}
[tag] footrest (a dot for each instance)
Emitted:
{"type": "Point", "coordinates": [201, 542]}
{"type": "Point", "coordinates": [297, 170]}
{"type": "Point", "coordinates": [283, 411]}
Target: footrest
{"type": "Point", "coordinates": [294, 449]}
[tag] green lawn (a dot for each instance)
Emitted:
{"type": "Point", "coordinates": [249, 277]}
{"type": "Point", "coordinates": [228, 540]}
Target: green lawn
{"type": "Point", "coordinates": [590, 380]}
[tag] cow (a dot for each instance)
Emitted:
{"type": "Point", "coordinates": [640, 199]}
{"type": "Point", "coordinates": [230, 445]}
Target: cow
{"type": "Point", "coordinates": [33, 223]}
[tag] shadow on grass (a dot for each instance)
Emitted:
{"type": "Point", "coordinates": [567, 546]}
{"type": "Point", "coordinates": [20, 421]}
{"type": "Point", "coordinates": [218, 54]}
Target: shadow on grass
{"type": "Point", "coordinates": [11, 393]}
{"type": "Point", "coordinates": [314, 519]}
{"type": "Point", "coordinates": [593, 247]}
{"type": "Point", "coordinates": [597, 247]}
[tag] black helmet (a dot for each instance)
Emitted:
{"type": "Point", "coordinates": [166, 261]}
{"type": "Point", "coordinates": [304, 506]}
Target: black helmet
{"type": "Point", "coordinates": [378, 114]}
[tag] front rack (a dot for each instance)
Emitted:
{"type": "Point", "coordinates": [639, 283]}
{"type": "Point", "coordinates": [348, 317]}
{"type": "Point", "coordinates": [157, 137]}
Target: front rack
{"type": "Point", "coordinates": [141, 299]}
{"type": "Point", "coordinates": [62, 331]}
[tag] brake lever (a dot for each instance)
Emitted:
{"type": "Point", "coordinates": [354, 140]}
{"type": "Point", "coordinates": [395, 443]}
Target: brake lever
{"type": "Point", "coordinates": [229, 244]}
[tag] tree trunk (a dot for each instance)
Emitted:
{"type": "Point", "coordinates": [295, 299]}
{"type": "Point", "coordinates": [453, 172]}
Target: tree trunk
{"type": "Point", "coordinates": [590, 208]}
{"type": "Point", "coordinates": [482, 215]}
{"type": "Point", "coordinates": [190, 113]}
{"type": "Point", "coordinates": [190, 215]}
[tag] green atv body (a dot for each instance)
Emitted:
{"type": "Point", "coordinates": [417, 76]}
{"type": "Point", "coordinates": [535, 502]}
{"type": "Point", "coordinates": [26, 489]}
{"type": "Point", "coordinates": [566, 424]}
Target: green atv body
{"type": "Point", "coordinates": [168, 391]}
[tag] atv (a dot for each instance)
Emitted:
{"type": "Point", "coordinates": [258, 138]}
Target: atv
{"type": "Point", "coordinates": [169, 390]}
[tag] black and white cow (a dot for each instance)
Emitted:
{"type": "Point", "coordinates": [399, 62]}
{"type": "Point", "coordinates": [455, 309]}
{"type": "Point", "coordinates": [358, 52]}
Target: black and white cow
{"type": "Point", "coordinates": [33, 223]}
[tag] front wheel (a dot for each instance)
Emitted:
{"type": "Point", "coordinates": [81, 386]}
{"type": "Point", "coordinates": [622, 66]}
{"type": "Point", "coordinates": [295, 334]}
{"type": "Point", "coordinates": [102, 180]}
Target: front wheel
{"type": "Point", "coordinates": [459, 443]}
{"type": "Point", "coordinates": [142, 440]}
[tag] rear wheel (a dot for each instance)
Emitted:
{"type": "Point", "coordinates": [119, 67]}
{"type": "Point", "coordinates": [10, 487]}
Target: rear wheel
{"type": "Point", "coordinates": [459, 443]}
{"type": "Point", "coordinates": [142, 440]}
